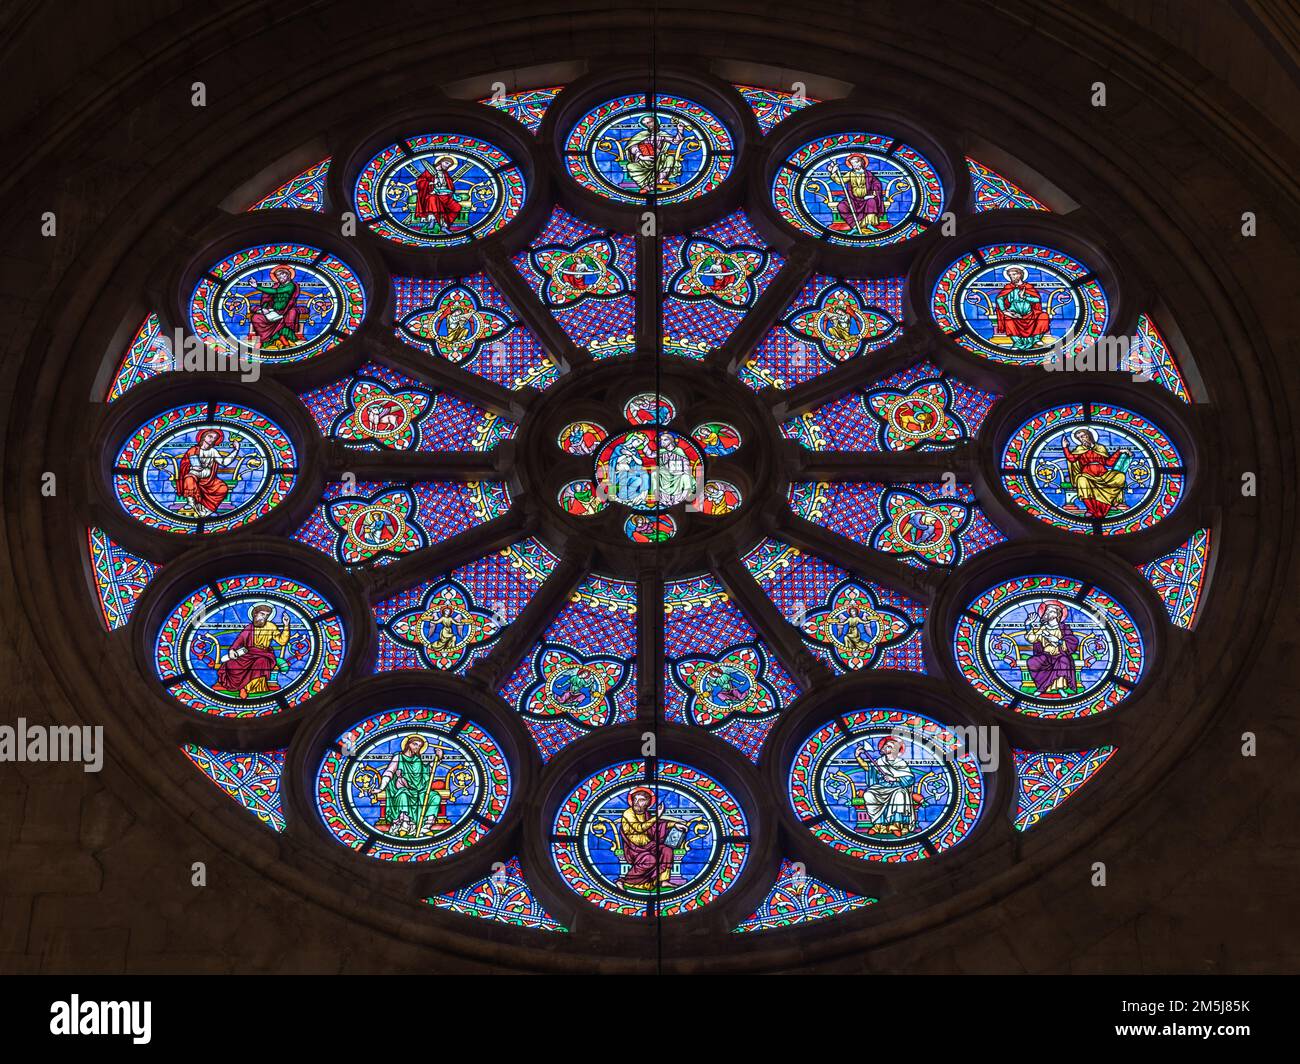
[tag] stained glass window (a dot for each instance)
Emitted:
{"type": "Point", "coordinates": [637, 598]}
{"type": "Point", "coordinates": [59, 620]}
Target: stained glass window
{"type": "Point", "coordinates": [253, 780]}
{"type": "Point", "coordinates": [282, 302]}
{"type": "Point", "coordinates": [587, 278]}
{"type": "Point", "coordinates": [379, 408]}
{"type": "Point", "coordinates": [850, 624]}
{"type": "Point", "coordinates": [528, 106]}
{"type": "Point", "coordinates": [366, 523]}
{"type": "Point", "coordinates": [452, 622]}
{"type": "Point", "coordinates": [798, 898]}
{"type": "Point", "coordinates": [120, 576]}
{"type": "Point", "coordinates": [149, 354]}
{"type": "Point", "coordinates": [204, 467]}
{"type": "Point", "coordinates": [1045, 780]}
{"type": "Point", "coordinates": [720, 674]}
{"type": "Point", "coordinates": [302, 192]}
{"type": "Point", "coordinates": [468, 322]}
{"type": "Point", "coordinates": [920, 409]}
{"type": "Point", "coordinates": [1049, 646]}
{"type": "Point", "coordinates": [249, 646]}
{"type": "Point", "coordinates": [439, 190]}
{"type": "Point", "coordinates": [1093, 467]}
{"type": "Point", "coordinates": [592, 481]}
{"type": "Point", "coordinates": [923, 524]}
{"type": "Point", "coordinates": [771, 106]}
{"type": "Point", "coordinates": [1179, 577]}
{"type": "Point", "coordinates": [886, 785]}
{"type": "Point", "coordinates": [858, 189]}
{"type": "Point", "coordinates": [503, 896]}
{"type": "Point", "coordinates": [647, 838]}
{"type": "Point", "coordinates": [830, 321]}
{"type": "Point", "coordinates": [993, 192]}
{"type": "Point", "coordinates": [710, 279]}
{"type": "Point", "coordinates": [1017, 303]}
{"type": "Point", "coordinates": [413, 784]}
{"type": "Point", "coordinates": [628, 151]}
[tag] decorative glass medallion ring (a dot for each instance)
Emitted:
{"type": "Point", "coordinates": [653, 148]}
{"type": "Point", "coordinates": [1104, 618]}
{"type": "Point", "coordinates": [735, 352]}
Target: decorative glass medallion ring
{"type": "Point", "coordinates": [649, 469]}
{"type": "Point", "coordinates": [643, 838]}
{"type": "Point", "coordinates": [1049, 646]}
{"type": "Point", "coordinates": [1093, 467]}
{"type": "Point", "coordinates": [279, 302]}
{"type": "Point", "coordinates": [1020, 303]}
{"type": "Point", "coordinates": [858, 190]}
{"type": "Point", "coordinates": [412, 784]}
{"type": "Point", "coordinates": [204, 467]}
{"type": "Point", "coordinates": [439, 190]}
{"type": "Point", "coordinates": [249, 646]}
{"type": "Point", "coordinates": [627, 152]}
{"type": "Point", "coordinates": [886, 785]}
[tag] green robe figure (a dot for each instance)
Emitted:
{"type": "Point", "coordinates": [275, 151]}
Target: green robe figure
{"type": "Point", "coordinates": [649, 159]}
{"type": "Point", "coordinates": [274, 320]}
{"type": "Point", "coordinates": [411, 799]}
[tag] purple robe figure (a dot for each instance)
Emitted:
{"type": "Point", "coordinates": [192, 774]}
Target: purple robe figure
{"type": "Point", "coordinates": [1053, 645]}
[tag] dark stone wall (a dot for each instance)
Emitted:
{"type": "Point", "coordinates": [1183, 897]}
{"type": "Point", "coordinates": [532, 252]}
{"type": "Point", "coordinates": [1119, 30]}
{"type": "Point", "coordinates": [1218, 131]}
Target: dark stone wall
{"type": "Point", "coordinates": [95, 869]}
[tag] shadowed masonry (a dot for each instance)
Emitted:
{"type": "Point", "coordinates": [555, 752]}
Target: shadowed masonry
{"type": "Point", "coordinates": [36, 742]}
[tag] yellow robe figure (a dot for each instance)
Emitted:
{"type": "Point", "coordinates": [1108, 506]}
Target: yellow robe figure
{"type": "Point", "coordinates": [1098, 484]}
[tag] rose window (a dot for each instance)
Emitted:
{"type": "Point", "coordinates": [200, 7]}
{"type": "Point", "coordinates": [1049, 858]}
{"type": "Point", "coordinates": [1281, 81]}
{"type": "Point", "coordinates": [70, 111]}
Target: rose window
{"type": "Point", "coordinates": [584, 574]}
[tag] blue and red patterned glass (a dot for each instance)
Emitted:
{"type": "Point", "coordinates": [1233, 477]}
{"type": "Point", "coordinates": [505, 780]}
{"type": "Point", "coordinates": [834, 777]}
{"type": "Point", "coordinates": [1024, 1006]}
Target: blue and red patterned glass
{"type": "Point", "coordinates": [710, 280]}
{"type": "Point", "coordinates": [718, 673]}
{"type": "Point", "coordinates": [993, 192]}
{"type": "Point", "coordinates": [503, 897]}
{"type": "Point", "coordinates": [451, 622]}
{"type": "Point", "coordinates": [829, 322]}
{"type": "Point", "coordinates": [772, 106]}
{"type": "Point", "coordinates": [920, 524]}
{"type": "Point", "coordinates": [586, 277]}
{"type": "Point", "coordinates": [1179, 577]}
{"type": "Point", "coordinates": [120, 577]}
{"type": "Point", "coordinates": [254, 780]}
{"type": "Point", "coordinates": [378, 408]}
{"type": "Point", "coordinates": [469, 323]}
{"type": "Point", "coordinates": [1045, 780]}
{"type": "Point", "coordinates": [849, 624]}
{"type": "Point", "coordinates": [581, 675]}
{"type": "Point", "coordinates": [798, 898]}
{"type": "Point", "coordinates": [527, 106]}
{"type": "Point", "coordinates": [371, 523]}
{"type": "Point", "coordinates": [302, 192]}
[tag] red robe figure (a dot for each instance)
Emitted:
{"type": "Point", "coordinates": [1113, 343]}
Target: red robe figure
{"type": "Point", "coordinates": [248, 665]}
{"type": "Point", "coordinates": [435, 194]}
{"type": "Point", "coordinates": [196, 472]}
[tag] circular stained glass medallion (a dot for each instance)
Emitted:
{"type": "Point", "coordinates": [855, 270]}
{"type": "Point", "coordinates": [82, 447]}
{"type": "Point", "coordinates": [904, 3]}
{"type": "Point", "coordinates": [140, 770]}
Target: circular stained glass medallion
{"type": "Point", "coordinates": [439, 190]}
{"type": "Point", "coordinates": [204, 467]}
{"type": "Point", "coordinates": [412, 784]}
{"type": "Point", "coordinates": [277, 303]}
{"type": "Point", "coordinates": [249, 646]}
{"type": "Point", "coordinates": [886, 785]}
{"type": "Point", "coordinates": [858, 189]}
{"type": "Point", "coordinates": [1049, 646]}
{"type": "Point", "coordinates": [1093, 467]}
{"type": "Point", "coordinates": [627, 152]}
{"type": "Point", "coordinates": [1020, 303]}
{"type": "Point", "coordinates": [649, 469]}
{"type": "Point", "coordinates": [640, 838]}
